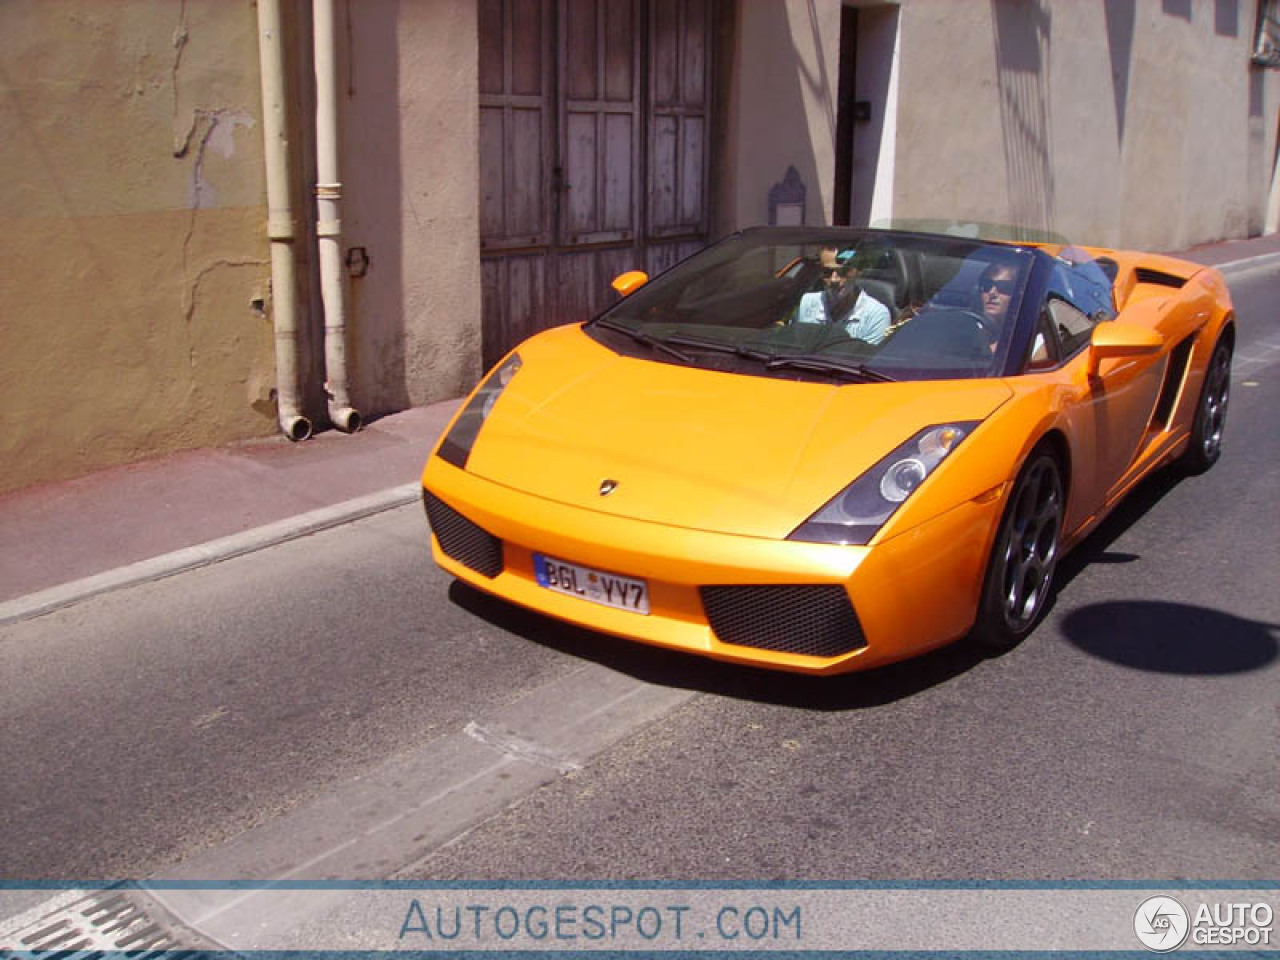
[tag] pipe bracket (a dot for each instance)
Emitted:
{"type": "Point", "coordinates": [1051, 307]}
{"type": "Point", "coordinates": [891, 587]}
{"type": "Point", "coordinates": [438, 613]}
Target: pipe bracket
{"type": "Point", "coordinates": [281, 228]}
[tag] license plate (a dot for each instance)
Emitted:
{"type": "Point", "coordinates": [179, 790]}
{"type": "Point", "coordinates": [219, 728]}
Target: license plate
{"type": "Point", "coordinates": [597, 586]}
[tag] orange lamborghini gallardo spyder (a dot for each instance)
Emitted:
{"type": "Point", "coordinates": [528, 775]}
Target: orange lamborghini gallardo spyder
{"type": "Point", "coordinates": [820, 450]}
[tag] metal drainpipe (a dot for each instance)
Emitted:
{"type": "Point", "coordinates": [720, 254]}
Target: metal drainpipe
{"type": "Point", "coordinates": [280, 224]}
{"type": "Point", "coordinates": [329, 222]}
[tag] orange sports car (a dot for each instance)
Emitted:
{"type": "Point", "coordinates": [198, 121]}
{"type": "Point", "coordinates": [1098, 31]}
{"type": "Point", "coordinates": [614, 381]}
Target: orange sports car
{"type": "Point", "coordinates": [821, 450]}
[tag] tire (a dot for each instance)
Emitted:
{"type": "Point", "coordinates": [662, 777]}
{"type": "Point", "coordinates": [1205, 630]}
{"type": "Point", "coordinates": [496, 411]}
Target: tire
{"type": "Point", "coordinates": [1211, 413]}
{"type": "Point", "coordinates": [1024, 555]}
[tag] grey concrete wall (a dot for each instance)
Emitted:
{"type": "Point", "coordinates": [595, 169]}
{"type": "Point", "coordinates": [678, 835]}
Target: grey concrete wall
{"type": "Point", "coordinates": [411, 165]}
{"type": "Point", "coordinates": [783, 105]}
{"type": "Point", "coordinates": [1133, 123]}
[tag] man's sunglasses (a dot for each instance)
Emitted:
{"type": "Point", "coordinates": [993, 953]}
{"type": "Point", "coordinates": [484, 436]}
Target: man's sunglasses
{"type": "Point", "coordinates": [1005, 287]}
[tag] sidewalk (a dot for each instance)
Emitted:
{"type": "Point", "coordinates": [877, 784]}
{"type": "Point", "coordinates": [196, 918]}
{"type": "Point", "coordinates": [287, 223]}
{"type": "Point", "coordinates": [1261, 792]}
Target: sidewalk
{"type": "Point", "coordinates": [225, 500]}
{"type": "Point", "coordinates": [65, 541]}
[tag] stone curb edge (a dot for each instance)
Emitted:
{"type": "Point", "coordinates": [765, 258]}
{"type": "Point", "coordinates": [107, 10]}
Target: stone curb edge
{"type": "Point", "coordinates": [202, 555]}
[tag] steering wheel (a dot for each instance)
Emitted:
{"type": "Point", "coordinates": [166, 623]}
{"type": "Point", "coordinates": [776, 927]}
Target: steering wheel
{"type": "Point", "coordinates": [988, 329]}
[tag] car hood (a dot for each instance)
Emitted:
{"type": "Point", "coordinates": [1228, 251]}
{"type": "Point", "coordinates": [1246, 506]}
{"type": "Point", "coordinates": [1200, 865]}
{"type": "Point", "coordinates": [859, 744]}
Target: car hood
{"type": "Point", "coordinates": [727, 452]}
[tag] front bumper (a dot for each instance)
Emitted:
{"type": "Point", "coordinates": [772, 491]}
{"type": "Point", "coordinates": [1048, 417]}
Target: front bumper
{"type": "Point", "coordinates": [909, 594]}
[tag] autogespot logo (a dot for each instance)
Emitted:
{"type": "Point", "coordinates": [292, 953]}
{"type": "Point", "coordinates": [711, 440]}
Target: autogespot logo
{"type": "Point", "coordinates": [1161, 924]}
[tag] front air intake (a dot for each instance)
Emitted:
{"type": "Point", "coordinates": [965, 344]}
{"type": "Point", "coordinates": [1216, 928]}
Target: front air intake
{"type": "Point", "coordinates": [816, 620]}
{"type": "Point", "coordinates": [462, 540]}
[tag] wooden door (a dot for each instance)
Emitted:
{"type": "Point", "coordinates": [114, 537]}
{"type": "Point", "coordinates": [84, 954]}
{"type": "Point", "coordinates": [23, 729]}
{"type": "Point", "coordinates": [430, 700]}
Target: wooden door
{"type": "Point", "coordinates": [593, 152]}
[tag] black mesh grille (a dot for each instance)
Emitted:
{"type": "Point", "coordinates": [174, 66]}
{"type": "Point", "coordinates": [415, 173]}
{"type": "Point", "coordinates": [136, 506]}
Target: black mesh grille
{"type": "Point", "coordinates": [816, 620]}
{"type": "Point", "coordinates": [463, 540]}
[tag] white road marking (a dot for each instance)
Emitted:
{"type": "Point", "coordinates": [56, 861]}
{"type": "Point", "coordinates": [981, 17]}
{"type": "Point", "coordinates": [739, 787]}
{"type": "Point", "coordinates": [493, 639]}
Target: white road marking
{"type": "Point", "coordinates": [400, 813]}
{"type": "Point", "coordinates": [1257, 357]}
{"type": "Point", "coordinates": [1249, 263]}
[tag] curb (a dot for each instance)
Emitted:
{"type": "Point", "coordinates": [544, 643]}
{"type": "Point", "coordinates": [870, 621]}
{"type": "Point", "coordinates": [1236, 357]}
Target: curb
{"type": "Point", "coordinates": [202, 555]}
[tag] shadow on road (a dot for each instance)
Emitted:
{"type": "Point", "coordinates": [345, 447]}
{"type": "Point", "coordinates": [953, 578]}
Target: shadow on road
{"type": "Point", "coordinates": [670, 668]}
{"type": "Point", "coordinates": [1171, 637]}
{"type": "Point", "coordinates": [1094, 548]}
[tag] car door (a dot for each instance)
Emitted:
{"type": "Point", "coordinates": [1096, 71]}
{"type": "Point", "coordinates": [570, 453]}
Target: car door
{"type": "Point", "coordinates": [1112, 408]}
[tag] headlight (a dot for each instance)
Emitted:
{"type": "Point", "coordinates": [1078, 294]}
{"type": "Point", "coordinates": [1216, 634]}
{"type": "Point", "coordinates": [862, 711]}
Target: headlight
{"type": "Point", "coordinates": [456, 446]}
{"type": "Point", "coordinates": [855, 514]}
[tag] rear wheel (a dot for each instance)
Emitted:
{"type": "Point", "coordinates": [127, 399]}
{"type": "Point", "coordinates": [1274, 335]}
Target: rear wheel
{"type": "Point", "coordinates": [1211, 413]}
{"type": "Point", "coordinates": [1024, 556]}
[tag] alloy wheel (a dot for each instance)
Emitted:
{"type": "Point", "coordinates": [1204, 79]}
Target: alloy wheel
{"type": "Point", "coordinates": [1030, 548]}
{"type": "Point", "coordinates": [1213, 407]}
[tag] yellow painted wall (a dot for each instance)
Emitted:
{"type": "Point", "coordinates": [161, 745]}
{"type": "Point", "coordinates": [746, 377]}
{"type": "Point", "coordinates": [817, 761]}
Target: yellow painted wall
{"type": "Point", "coordinates": [136, 274]}
{"type": "Point", "coordinates": [131, 211]}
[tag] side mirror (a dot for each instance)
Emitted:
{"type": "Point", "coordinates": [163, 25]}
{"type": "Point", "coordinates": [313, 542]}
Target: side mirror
{"type": "Point", "coordinates": [629, 282]}
{"type": "Point", "coordinates": [1114, 338]}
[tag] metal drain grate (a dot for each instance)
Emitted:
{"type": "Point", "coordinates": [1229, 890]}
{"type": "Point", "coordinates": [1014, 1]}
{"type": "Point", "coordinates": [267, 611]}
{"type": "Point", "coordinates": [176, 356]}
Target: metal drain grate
{"type": "Point", "coordinates": [89, 926]}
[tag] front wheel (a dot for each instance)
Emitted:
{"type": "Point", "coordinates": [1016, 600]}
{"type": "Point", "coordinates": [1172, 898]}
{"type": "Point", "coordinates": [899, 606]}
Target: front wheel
{"type": "Point", "coordinates": [1024, 556]}
{"type": "Point", "coordinates": [1211, 413]}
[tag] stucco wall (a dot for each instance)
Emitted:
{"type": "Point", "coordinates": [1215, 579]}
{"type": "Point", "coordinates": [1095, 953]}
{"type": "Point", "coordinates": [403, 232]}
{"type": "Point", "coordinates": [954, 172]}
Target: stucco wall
{"type": "Point", "coordinates": [132, 221]}
{"type": "Point", "coordinates": [410, 164]}
{"type": "Point", "coordinates": [1136, 124]}
{"type": "Point", "coordinates": [783, 105]}
{"type": "Point", "coordinates": [1130, 124]}
{"type": "Point", "coordinates": [130, 233]}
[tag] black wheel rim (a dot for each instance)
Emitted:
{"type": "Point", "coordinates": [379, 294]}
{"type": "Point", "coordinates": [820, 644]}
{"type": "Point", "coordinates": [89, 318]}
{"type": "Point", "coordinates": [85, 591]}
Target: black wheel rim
{"type": "Point", "coordinates": [1030, 547]}
{"type": "Point", "coordinates": [1213, 408]}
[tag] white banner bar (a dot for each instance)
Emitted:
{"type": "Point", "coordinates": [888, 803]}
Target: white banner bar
{"type": "Point", "coordinates": [660, 919]}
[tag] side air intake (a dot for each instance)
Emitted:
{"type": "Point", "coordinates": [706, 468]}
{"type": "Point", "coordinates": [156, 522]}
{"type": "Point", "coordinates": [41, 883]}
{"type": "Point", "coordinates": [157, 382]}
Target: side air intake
{"type": "Point", "coordinates": [1158, 277]}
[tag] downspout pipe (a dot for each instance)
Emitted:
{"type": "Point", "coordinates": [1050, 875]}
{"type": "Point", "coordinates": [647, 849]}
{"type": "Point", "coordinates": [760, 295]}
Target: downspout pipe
{"type": "Point", "coordinates": [281, 228]}
{"type": "Point", "coordinates": [329, 221]}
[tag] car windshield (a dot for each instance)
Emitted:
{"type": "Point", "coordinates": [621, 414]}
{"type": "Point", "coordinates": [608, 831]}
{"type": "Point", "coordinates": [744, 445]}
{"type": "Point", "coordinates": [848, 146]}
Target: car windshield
{"type": "Point", "coordinates": [830, 304]}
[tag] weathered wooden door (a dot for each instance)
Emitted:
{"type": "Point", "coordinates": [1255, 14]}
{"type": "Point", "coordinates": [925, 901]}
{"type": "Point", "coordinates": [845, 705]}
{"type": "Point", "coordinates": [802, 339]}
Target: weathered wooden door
{"type": "Point", "coordinates": [593, 152]}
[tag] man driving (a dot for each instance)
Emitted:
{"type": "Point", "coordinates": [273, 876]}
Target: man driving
{"type": "Point", "coordinates": [841, 301]}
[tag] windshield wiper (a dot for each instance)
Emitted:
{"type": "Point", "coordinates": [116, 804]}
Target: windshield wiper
{"type": "Point", "coordinates": [719, 346]}
{"type": "Point", "coordinates": [820, 364]}
{"type": "Point", "coordinates": [648, 339]}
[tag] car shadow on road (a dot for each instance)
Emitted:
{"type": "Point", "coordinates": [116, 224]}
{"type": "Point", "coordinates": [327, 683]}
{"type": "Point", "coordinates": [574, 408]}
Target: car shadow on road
{"type": "Point", "coordinates": [1162, 637]}
{"type": "Point", "coordinates": [671, 668]}
{"type": "Point", "coordinates": [1176, 638]}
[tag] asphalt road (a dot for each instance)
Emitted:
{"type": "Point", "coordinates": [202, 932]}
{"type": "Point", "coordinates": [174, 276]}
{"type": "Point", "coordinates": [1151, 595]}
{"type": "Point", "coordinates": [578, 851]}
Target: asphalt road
{"type": "Point", "coordinates": [252, 717]}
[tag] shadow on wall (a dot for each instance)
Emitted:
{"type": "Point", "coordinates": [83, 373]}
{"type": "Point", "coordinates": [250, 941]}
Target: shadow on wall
{"type": "Point", "coordinates": [1226, 18]}
{"type": "Point", "coordinates": [877, 42]}
{"type": "Point", "coordinates": [1022, 35]}
{"type": "Point", "coordinates": [369, 93]}
{"type": "Point", "coordinates": [775, 86]}
{"type": "Point", "coordinates": [819, 87]}
{"type": "Point", "coordinates": [1120, 18]}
